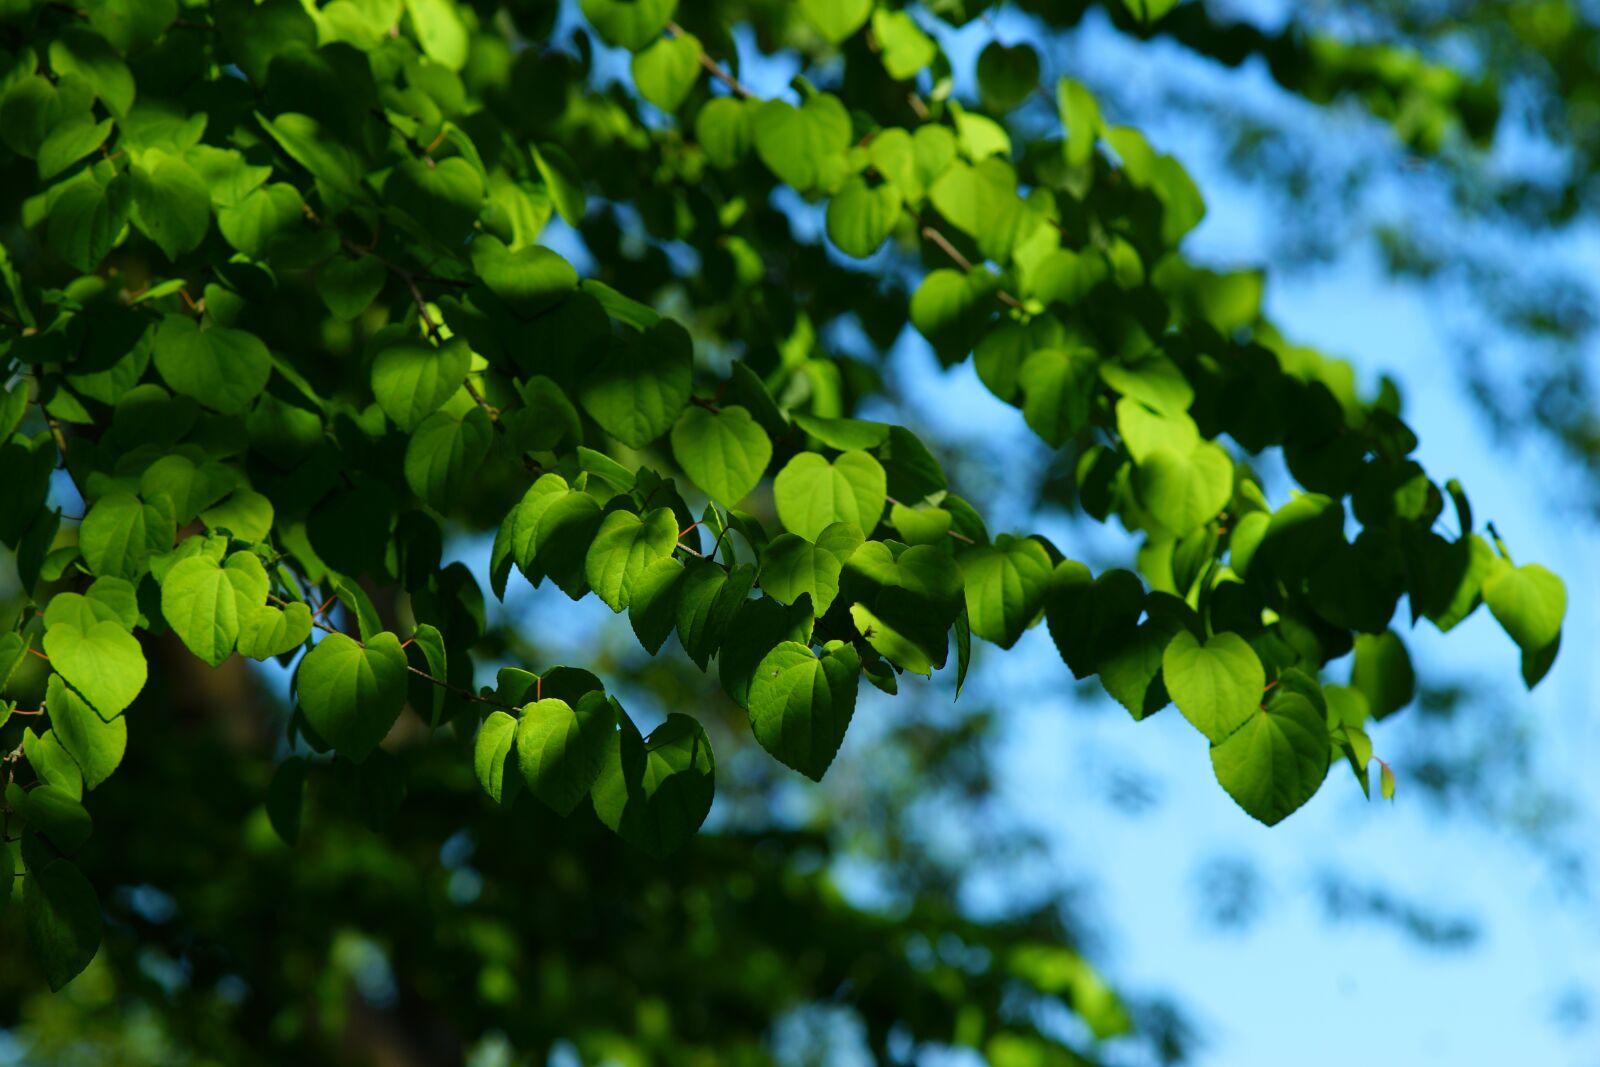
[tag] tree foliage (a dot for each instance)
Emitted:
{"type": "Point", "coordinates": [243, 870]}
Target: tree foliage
{"type": "Point", "coordinates": [278, 314]}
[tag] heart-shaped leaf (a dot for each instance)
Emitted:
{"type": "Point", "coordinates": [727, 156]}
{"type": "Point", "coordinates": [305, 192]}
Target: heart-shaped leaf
{"type": "Point", "coordinates": [724, 452]}
{"type": "Point", "coordinates": [1216, 685]}
{"type": "Point", "coordinates": [1005, 585]}
{"type": "Point", "coordinates": [223, 369]}
{"type": "Point", "coordinates": [642, 385]}
{"type": "Point", "coordinates": [655, 792]}
{"type": "Point", "coordinates": [804, 146]}
{"type": "Point", "coordinates": [529, 280]}
{"type": "Point", "coordinates": [812, 493]}
{"type": "Point", "coordinates": [269, 631]}
{"type": "Point", "coordinates": [1275, 762]}
{"type": "Point", "coordinates": [1184, 491]}
{"type": "Point", "coordinates": [860, 217]}
{"type": "Point", "coordinates": [666, 70]}
{"type": "Point", "coordinates": [444, 197]}
{"type": "Point", "coordinates": [792, 567]}
{"type": "Point", "coordinates": [352, 694]}
{"type": "Point", "coordinates": [204, 603]}
{"type": "Point", "coordinates": [104, 663]}
{"type": "Point", "coordinates": [560, 746]}
{"type": "Point", "coordinates": [800, 704]}
{"type": "Point", "coordinates": [624, 548]}
{"type": "Point", "coordinates": [836, 19]}
{"type": "Point", "coordinates": [1007, 74]}
{"type": "Point", "coordinates": [443, 453]}
{"type": "Point", "coordinates": [1087, 615]}
{"type": "Point", "coordinates": [1528, 601]}
{"type": "Point", "coordinates": [412, 379]}
{"type": "Point", "coordinates": [349, 286]}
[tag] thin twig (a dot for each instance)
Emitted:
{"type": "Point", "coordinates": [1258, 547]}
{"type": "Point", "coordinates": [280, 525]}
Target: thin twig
{"type": "Point", "coordinates": [713, 67]}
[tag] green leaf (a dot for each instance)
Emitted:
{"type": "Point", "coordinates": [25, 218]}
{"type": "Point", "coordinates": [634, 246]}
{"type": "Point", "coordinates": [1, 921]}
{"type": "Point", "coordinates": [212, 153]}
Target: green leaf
{"type": "Point", "coordinates": [1382, 672]}
{"type": "Point", "coordinates": [95, 744]}
{"type": "Point", "coordinates": [792, 567]}
{"type": "Point", "coordinates": [427, 698]}
{"type": "Point", "coordinates": [1058, 388]}
{"type": "Point", "coordinates": [624, 548]}
{"type": "Point", "coordinates": [1528, 601]}
{"type": "Point", "coordinates": [812, 493]}
{"type": "Point", "coordinates": [724, 452]}
{"type": "Point", "coordinates": [1148, 11]}
{"type": "Point", "coordinates": [1184, 491]}
{"type": "Point", "coordinates": [352, 694]}
{"type": "Point", "coordinates": [801, 704]}
{"type": "Point", "coordinates": [349, 286]}
{"type": "Point", "coordinates": [905, 605]}
{"type": "Point", "coordinates": [57, 815]}
{"type": "Point", "coordinates": [759, 626]}
{"type": "Point", "coordinates": [192, 488]}
{"type": "Point", "coordinates": [530, 280]}
{"type": "Point", "coordinates": [171, 205]}
{"type": "Point", "coordinates": [205, 604]}
{"type": "Point", "coordinates": [70, 141]}
{"type": "Point", "coordinates": [440, 31]}
{"type": "Point", "coordinates": [62, 916]}
{"type": "Point", "coordinates": [1005, 585]}
{"type": "Point", "coordinates": [561, 747]}
{"type": "Point", "coordinates": [666, 70]}
{"type": "Point", "coordinates": [1143, 430]}
{"type": "Point", "coordinates": [1217, 685]}
{"type": "Point", "coordinates": [222, 368]}
{"type": "Point", "coordinates": [1153, 380]}
{"type": "Point", "coordinates": [630, 24]}
{"type": "Point", "coordinates": [655, 792]}
{"type": "Point", "coordinates": [1007, 74]}
{"type": "Point", "coordinates": [861, 217]}
{"type": "Point", "coordinates": [269, 631]}
{"type": "Point", "coordinates": [1080, 114]}
{"type": "Point", "coordinates": [562, 178]}
{"type": "Point", "coordinates": [52, 762]}
{"type": "Point", "coordinates": [708, 600]}
{"type": "Point", "coordinates": [330, 160]}
{"type": "Point", "coordinates": [642, 386]}
{"type": "Point", "coordinates": [1275, 762]}
{"type": "Point", "coordinates": [836, 20]}
{"type": "Point", "coordinates": [103, 662]}
{"type": "Point", "coordinates": [653, 603]}
{"type": "Point", "coordinates": [492, 757]}
{"type": "Point", "coordinates": [412, 379]}
{"type": "Point", "coordinates": [444, 452]}
{"type": "Point", "coordinates": [246, 514]}
{"type": "Point", "coordinates": [723, 129]}
{"type": "Point", "coordinates": [87, 218]}
{"type": "Point", "coordinates": [1130, 665]}
{"type": "Point", "coordinates": [444, 197]}
{"type": "Point", "coordinates": [951, 308]}
{"type": "Point", "coordinates": [805, 146]}
{"type": "Point", "coordinates": [843, 434]}
{"type": "Point", "coordinates": [905, 49]}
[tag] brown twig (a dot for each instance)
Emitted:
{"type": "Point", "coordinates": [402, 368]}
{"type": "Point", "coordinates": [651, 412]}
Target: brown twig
{"type": "Point", "coordinates": [712, 67]}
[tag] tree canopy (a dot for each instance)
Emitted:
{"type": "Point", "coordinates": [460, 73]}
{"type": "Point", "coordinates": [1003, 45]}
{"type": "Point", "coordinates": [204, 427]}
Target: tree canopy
{"type": "Point", "coordinates": [298, 298]}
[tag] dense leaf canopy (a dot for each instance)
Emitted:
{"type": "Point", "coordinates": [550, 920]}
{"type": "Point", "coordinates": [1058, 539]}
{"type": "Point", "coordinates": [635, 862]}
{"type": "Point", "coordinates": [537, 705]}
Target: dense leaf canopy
{"type": "Point", "coordinates": [296, 293]}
